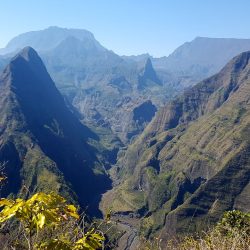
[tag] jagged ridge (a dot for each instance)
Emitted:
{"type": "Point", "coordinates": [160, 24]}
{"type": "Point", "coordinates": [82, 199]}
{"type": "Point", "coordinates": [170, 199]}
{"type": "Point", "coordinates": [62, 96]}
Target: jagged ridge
{"type": "Point", "coordinates": [188, 152]}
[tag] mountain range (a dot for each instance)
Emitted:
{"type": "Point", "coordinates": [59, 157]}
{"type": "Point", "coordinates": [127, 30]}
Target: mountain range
{"type": "Point", "coordinates": [196, 60]}
{"type": "Point", "coordinates": [164, 141]}
{"type": "Point", "coordinates": [192, 162]}
{"type": "Point", "coordinates": [106, 88]}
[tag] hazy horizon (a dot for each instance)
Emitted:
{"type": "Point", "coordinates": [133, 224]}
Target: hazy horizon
{"type": "Point", "coordinates": [129, 27]}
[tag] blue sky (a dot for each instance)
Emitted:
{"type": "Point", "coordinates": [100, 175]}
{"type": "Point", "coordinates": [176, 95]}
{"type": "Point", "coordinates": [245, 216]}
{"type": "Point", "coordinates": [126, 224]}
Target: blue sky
{"type": "Point", "coordinates": [130, 26]}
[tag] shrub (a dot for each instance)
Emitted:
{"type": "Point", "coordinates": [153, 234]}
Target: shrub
{"type": "Point", "coordinates": [232, 232]}
{"type": "Point", "coordinates": [234, 220]}
{"type": "Point", "coordinates": [46, 222]}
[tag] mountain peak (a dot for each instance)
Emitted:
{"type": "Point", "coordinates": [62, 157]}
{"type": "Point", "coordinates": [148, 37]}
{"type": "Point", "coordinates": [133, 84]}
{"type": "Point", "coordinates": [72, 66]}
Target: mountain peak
{"type": "Point", "coordinates": [26, 71]}
{"type": "Point", "coordinates": [27, 53]}
{"type": "Point", "coordinates": [148, 65]}
{"type": "Point", "coordinates": [42, 133]}
{"type": "Point", "coordinates": [148, 69]}
{"type": "Point", "coordinates": [149, 72]}
{"type": "Point", "coordinates": [148, 75]}
{"type": "Point", "coordinates": [238, 65]}
{"type": "Point", "coordinates": [242, 60]}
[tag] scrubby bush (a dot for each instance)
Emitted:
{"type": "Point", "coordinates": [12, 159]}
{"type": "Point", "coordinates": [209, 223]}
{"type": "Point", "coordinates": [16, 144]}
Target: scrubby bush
{"type": "Point", "coordinates": [232, 232]}
{"type": "Point", "coordinates": [234, 221]}
{"type": "Point", "coordinates": [44, 222]}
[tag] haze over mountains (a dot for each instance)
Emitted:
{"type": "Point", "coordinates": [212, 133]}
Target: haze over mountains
{"type": "Point", "coordinates": [198, 59]}
{"type": "Point", "coordinates": [177, 152]}
{"type": "Point", "coordinates": [106, 88]}
{"type": "Point", "coordinates": [47, 39]}
{"type": "Point", "coordinates": [97, 81]}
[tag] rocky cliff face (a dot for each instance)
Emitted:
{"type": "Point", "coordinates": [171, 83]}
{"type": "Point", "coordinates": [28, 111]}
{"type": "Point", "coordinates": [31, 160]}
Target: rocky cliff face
{"type": "Point", "coordinates": [102, 86]}
{"type": "Point", "coordinates": [2, 63]}
{"type": "Point", "coordinates": [148, 76]}
{"type": "Point", "coordinates": [43, 145]}
{"type": "Point", "coordinates": [185, 168]}
{"type": "Point", "coordinates": [96, 80]}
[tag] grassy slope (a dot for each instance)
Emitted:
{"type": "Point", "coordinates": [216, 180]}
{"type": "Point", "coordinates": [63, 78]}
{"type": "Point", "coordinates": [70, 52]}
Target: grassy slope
{"type": "Point", "coordinates": [189, 143]}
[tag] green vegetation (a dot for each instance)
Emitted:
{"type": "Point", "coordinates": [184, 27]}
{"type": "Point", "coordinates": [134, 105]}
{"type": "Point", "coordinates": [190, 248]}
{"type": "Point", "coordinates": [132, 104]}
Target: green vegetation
{"type": "Point", "coordinates": [46, 221]}
{"type": "Point", "coordinates": [231, 232]}
{"type": "Point", "coordinates": [192, 161]}
{"type": "Point", "coordinates": [234, 221]}
{"type": "Point", "coordinates": [44, 145]}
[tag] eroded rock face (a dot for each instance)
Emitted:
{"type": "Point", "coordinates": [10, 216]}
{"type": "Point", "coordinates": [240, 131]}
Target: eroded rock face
{"type": "Point", "coordinates": [105, 88]}
{"type": "Point", "coordinates": [96, 80]}
{"type": "Point", "coordinates": [148, 76]}
{"type": "Point", "coordinates": [185, 168]}
{"type": "Point", "coordinates": [2, 64]}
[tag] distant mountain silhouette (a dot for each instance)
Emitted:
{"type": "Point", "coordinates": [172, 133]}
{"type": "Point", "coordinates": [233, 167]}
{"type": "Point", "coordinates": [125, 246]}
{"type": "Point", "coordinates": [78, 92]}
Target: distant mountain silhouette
{"type": "Point", "coordinates": [47, 39]}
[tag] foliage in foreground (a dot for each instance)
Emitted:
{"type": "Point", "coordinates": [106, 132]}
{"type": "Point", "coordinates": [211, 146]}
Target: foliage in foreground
{"type": "Point", "coordinates": [43, 222]}
{"type": "Point", "coordinates": [231, 233]}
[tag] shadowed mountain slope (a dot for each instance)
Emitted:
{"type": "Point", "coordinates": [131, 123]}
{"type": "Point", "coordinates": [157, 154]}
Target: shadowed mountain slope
{"type": "Point", "coordinates": [106, 88]}
{"type": "Point", "coordinates": [43, 144]}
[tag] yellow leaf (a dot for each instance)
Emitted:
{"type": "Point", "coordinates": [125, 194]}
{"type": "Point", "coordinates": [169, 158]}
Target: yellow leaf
{"type": "Point", "coordinates": [72, 211]}
{"type": "Point", "coordinates": [3, 178]}
{"type": "Point", "coordinates": [40, 220]}
{"type": "Point", "coordinates": [6, 202]}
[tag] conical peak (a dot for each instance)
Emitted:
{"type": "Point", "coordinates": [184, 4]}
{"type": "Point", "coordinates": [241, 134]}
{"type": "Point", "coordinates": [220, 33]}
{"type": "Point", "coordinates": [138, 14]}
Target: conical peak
{"type": "Point", "coordinates": [29, 57]}
{"type": "Point", "coordinates": [148, 64]}
{"type": "Point", "coordinates": [26, 70]}
{"type": "Point", "coordinates": [27, 53]}
{"type": "Point", "coordinates": [148, 70]}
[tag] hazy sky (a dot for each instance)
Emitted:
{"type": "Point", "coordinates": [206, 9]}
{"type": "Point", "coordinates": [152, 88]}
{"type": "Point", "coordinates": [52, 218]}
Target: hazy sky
{"type": "Point", "coordinates": [130, 26]}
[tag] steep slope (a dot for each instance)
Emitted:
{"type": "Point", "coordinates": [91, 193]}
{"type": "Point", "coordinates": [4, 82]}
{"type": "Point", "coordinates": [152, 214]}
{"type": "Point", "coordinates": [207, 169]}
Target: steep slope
{"type": "Point", "coordinates": [85, 60]}
{"type": "Point", "coordinates": [43, 145]}
{"type": "Point", "coordinates": [103, 87]}
{"type": "Point", "coordinates": [2, 63]}
{"type": "Point", "coordinates": [192, 161]}
{"type": "Point", "coordinates": [148, 76]}
{"type": "Point", "coordinates": [99, 83]}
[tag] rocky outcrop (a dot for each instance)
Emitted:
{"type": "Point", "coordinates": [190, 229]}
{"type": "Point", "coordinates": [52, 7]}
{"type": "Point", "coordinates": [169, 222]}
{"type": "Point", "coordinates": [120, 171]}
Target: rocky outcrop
{"type": "Point", "coordinates": [148, 76]}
